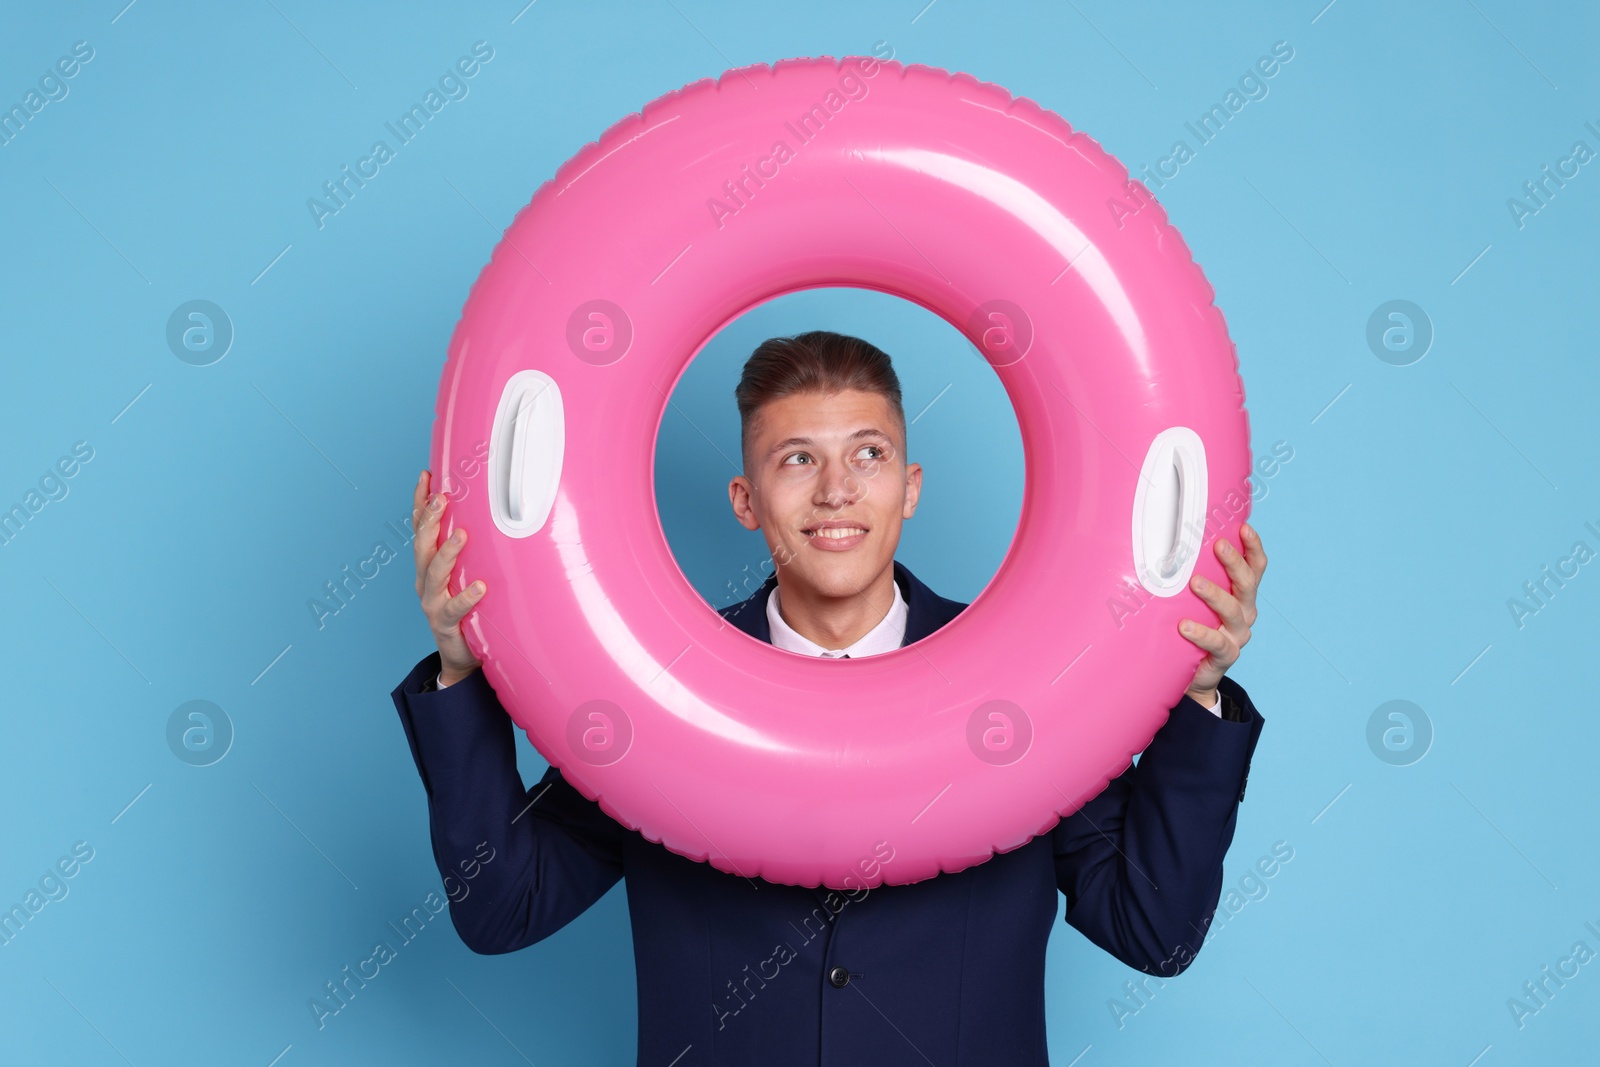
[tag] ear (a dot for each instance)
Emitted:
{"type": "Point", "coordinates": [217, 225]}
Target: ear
{"type": "Point", "coordinates": [741, 495]}
{"type": "Point", "coordinates": [913, 489]}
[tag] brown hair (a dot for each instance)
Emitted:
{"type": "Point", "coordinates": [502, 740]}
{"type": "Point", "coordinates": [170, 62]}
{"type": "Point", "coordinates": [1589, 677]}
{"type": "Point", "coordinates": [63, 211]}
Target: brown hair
{"type": "Point", "coordinates": [818, 361]}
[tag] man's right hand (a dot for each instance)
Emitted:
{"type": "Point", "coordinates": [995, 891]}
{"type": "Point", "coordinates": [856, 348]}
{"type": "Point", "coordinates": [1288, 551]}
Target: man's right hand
{"type": "Point", "coordinates": [434, 564]}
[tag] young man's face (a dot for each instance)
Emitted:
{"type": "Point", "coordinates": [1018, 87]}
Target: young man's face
{"type": "Point", "coordinates": [827, 483]}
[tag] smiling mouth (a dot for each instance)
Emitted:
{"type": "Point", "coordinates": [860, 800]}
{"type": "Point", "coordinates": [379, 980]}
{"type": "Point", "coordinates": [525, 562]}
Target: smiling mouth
{"type": "Point", "coordinates": [836, 533]}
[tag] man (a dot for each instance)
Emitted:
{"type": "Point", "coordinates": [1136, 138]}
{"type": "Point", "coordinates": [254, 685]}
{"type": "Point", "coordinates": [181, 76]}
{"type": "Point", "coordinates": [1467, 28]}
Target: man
{"type": "Point", "coordinates": [733, 970]}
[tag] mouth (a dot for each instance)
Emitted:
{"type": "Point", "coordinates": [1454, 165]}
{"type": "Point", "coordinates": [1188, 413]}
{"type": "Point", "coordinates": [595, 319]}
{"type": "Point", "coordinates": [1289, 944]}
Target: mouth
{"type": "Point", "coordinates": [835, 536]}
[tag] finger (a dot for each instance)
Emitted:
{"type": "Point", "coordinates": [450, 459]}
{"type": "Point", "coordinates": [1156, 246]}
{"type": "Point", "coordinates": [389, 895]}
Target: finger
{"type": "Point", "coordinates": [425, 536]}
{"type": "Point", "coordinates": [1213, 641]}
{"type": "Point", "coordinates": [454, 609]}
{"type": "Point", "coordinates": [1224, 603]}
{"type": "Point", "coordinates": [1255, 554]}
{"type": "Point", "coordinates": [1240, 575]}
{"type": "Point", "coordinates": [1236, 616]}
{"type": "Point", "coordinates": [419, 502]}
{"type": "Point", "coordinates": [435, 585]}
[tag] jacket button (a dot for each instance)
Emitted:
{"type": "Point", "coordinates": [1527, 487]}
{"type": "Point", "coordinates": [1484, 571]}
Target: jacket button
{"type": "Point", "coordinates": [839, 977]}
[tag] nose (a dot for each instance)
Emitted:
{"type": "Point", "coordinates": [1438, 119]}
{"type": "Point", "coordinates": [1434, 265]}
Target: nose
{"type": "Point", "coordinates": [837, 485]}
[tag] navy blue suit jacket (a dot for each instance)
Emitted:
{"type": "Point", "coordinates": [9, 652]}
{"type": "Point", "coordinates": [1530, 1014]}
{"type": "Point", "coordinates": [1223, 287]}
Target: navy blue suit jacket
{"type": "Point", "coordinates": [731, 970]}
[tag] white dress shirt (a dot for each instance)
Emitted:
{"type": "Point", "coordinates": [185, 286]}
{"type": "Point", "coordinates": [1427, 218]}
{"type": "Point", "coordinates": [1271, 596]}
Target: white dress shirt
{"type": "Point", "coordinates": [884, 637]}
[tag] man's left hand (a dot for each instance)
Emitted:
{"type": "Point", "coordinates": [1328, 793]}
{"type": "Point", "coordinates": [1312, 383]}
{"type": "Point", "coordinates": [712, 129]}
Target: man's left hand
{"type": "Point", "coordinates": [1237, 610]}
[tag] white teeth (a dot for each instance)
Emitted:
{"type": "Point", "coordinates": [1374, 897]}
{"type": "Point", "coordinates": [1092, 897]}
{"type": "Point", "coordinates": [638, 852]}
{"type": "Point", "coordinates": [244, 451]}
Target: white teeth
{"type": "Point", "coordinates": [834, 534]}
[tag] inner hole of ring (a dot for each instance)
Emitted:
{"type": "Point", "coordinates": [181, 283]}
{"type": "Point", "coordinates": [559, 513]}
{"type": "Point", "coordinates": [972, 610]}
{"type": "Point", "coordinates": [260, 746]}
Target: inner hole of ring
{"type": "Point", "coordinates": [960, 427]}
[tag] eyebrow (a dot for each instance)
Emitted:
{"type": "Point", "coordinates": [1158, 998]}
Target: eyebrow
{"type": "Point", "coordinates": [858, 435]}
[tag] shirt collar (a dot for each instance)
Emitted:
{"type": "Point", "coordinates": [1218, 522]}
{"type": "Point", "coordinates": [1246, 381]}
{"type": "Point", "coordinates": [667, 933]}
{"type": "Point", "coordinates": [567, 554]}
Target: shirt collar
{"type": "Point", "coordinates": [888, 635]}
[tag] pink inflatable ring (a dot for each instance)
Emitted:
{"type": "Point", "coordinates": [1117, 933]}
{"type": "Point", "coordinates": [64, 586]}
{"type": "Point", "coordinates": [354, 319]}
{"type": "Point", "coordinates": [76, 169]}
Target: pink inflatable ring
{"type": "Point", "coordinates": [981, 207]}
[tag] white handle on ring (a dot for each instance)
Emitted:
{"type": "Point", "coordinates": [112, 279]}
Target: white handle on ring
{"type": "Point", "coordinates": [1169, 506]}
{"type": "Point", "coordinates": [526, 447]}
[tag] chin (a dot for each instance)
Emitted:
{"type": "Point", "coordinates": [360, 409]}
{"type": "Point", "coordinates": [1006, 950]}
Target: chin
{"type": "Point", "coordinates": [842, 577]}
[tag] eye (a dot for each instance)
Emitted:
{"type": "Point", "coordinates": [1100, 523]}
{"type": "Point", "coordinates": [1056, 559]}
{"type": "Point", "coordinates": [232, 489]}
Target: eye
{"type": "Point", "coordinates": [882, 453]}
{"type": "Point", "coordinates": [794, 455]}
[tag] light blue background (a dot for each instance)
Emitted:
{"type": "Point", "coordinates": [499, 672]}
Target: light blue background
{"type": "Point", "coordinates": [219, 500]}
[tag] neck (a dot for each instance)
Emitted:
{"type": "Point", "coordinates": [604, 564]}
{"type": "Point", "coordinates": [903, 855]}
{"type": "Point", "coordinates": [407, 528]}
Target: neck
{"type": "Point", "coordinates": [835, 622]}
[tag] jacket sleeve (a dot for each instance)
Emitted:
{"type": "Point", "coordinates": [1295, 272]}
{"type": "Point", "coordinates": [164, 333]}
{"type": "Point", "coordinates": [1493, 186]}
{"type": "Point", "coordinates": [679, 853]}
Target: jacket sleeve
{"type": "Point", "coordinates": [1141, 863]}
{"type": "Point", "coordinates": [519, 864]}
